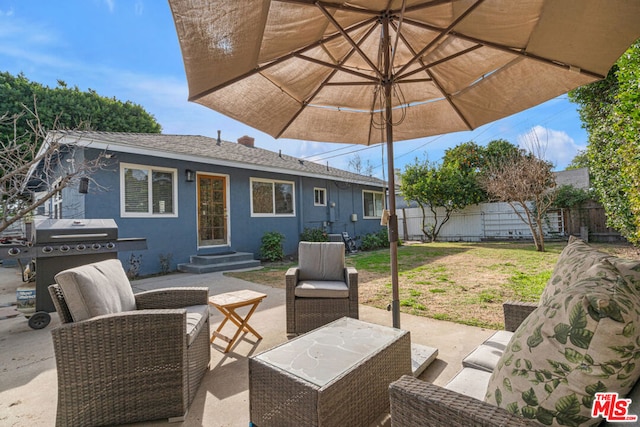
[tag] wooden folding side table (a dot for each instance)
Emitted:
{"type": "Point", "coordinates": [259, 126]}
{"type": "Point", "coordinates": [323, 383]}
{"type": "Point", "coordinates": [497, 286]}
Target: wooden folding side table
{"type": "Point", "coordinates": [227, 304]}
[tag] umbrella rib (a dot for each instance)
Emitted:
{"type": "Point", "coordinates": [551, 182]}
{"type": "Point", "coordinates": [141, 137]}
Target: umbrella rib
{"type": "Point", "coordinates": [425, 68]}
{"type": "Point", "coordinates": [350, 40]}
{"type": "Point", "coordinates": [276, 61]}
{"type": "Point", "coordinates": [507, 49]}
{"type": "Point", "coordinates": [336, 68]}
{"type": "Point", "coordinates": [522, 53]}
{"type": "Point", "coordinates": [443, 32]}
{"type": "Point", "coordinates": [333, 6]}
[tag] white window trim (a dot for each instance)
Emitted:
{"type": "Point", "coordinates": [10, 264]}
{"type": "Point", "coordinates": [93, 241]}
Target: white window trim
{"type": "Point", "coordinates": [363, 207]}
{"type": "Point", "coordinates": [324, 191]}
{"type": "Point", "coordinates": [273, 182]}
{"type": "Point", "coordinates": [150, 214]}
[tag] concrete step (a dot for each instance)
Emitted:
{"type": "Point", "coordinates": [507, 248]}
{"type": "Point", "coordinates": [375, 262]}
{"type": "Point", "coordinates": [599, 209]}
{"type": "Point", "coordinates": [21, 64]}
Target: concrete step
{"type": "Point", "coordinates": [222, 262]}
{"type": "Point", "coordinates": [220, 258]}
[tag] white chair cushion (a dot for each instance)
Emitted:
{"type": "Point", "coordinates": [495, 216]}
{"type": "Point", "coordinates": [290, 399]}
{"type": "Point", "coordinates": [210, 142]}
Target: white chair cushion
{"type": "Point", "coordinates": [96, 289]}
{"type": "Point", "coordinates": [486, 356]}
{"type": "Point", "coordinates": [321, 289]}
{"type": "Point", "coordinates": [470, 382]}
{"type": "Point", "coordinates": [321, 261]}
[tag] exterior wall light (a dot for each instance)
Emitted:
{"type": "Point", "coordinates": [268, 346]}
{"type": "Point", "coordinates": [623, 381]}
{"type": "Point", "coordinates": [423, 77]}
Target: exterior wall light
{"type": "Point", "coordinates": [189, 175]}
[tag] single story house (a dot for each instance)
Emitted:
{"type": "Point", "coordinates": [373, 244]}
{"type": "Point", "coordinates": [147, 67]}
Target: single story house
{"type": "Point", "coordinates": [194, 195]}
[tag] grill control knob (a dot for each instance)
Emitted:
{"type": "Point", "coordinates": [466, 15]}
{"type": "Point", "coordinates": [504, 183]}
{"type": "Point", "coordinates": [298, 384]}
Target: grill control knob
{"type": "Point", "coordinates": [111, 245]}
{"type": "Point", "coordinates": [14, 251]}
{"type": "Point", "coordinates": [64, 248]}
{"type": "Point", "coordinates": [96, 246]}
{"type": "Point", "coordinates": [81, 247]}
{"type": "Point", "coordinates": [47, 249]}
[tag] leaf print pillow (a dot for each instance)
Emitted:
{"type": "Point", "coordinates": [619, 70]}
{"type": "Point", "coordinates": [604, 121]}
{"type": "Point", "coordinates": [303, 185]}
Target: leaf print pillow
{"type": "Point", "coordinates": [583, 340]}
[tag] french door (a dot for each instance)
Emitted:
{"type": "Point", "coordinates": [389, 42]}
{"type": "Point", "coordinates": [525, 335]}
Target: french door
{"type": "Point", "coordinates": [212, 210]}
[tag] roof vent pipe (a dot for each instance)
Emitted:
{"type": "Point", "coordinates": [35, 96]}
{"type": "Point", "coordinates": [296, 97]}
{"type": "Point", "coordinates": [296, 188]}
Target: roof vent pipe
{"type": "Point", "coordinates": [219, 141]}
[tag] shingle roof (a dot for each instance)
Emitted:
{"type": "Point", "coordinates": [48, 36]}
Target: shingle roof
{"type": "Point", "coordinates": [205, 150]}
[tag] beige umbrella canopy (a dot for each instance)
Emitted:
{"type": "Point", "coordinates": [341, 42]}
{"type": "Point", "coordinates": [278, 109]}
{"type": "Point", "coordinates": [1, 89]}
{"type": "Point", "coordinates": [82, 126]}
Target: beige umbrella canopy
{"type": "Point", "coordinates": [372, 71]}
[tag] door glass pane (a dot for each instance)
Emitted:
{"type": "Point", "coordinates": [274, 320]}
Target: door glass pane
{"type": "Point", "coordinates": [212, 215]}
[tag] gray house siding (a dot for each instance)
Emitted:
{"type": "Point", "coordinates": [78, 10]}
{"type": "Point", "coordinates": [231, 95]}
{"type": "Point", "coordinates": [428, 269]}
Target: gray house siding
{"type": "Point", "coordinates": [177, 236]}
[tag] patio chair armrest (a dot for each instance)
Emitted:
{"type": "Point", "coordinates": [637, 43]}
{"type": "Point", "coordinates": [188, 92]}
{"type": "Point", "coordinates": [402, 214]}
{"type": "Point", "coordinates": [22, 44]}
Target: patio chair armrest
{"type": "Point", "coordinates": [515, 312]}
{"type": "Point", "coordinates": [168, 298]}
{"type": "Point", "coordinates": [419, 403]}
{"type": "Point", "coordinates": [291, 279]}
{"type": "Point", "coordinates": [351, 277]}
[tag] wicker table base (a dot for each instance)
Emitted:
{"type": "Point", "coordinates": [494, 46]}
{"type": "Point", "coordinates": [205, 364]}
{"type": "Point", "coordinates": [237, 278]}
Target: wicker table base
{"type": "Point", "coordinates": [336, 375]}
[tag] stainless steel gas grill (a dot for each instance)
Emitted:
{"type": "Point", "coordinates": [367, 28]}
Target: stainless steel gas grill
{"type": "Point", "coordinates": [59, 244]}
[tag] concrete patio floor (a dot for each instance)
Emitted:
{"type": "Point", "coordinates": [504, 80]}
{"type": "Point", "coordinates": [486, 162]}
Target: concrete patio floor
{"type": "Point", "coordinates": [28, 388]}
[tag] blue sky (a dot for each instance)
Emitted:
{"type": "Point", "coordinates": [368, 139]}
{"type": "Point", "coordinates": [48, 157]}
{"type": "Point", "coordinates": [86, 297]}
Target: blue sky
{"type": "Point", "coordinates": [128, 49]}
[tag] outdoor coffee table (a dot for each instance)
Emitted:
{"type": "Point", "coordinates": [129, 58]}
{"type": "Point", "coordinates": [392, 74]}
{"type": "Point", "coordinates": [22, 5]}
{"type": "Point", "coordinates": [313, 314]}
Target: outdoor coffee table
{"type": "Point", "coordinates": [227, 305]}
{"type": "Point", "coordinates": [336, 375]}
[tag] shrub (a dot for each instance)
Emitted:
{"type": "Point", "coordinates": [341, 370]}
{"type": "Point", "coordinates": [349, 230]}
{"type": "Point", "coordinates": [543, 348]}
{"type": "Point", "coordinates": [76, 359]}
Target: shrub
{"type": "Point", "coordinates": [165, 263]}
{"type": "Point", "coordinates": [374, 241]}
{"type": "Point", "coordinates": [271, 248]}
{"type": "Point", "coordinates": [313, 235]}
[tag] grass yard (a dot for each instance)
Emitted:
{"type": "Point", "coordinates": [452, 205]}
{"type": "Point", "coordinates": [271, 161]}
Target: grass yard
{"type": "Point", "coordinates": [461, 282]}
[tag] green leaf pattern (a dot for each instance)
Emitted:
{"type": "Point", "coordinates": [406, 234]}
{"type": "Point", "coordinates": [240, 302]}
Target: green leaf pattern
{"type": "Point", "coordinates": [586, 333]}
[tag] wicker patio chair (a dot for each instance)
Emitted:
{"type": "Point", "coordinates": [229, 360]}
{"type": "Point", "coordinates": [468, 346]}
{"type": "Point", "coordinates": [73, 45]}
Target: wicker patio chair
{"type": "Point", "coordinates": [124, 358]}
{"type": "Point", "coordinates": [321, 289]}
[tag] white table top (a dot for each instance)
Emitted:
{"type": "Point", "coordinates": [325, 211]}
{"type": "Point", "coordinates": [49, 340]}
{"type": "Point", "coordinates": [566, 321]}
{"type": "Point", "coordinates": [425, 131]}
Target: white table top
{"type": "Point", "coordinates": [322, 355]}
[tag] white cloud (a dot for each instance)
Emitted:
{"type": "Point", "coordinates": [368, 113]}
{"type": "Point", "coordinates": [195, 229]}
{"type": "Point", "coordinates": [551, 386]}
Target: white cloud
{"type": "Point", "coordinates": [6, 12]}
{"type": "Point", "coordinates": [110, 4]}
{"type": "Point", "coordinates": [557, 146]}
{"type": "Point", "coordinates": [139, 8]}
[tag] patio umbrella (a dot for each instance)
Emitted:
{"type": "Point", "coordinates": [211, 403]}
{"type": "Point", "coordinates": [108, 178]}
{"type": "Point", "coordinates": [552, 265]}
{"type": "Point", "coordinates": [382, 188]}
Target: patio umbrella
{"type": "Point", "coordinates": [379, 71]}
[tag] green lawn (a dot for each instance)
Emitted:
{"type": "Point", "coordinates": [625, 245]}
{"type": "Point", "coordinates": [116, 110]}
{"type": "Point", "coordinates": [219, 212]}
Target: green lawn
{"type": "Point", "coordinates": [460, 282]}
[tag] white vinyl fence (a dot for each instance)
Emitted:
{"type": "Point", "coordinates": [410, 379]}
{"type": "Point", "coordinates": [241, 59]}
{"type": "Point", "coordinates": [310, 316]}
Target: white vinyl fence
{"type": "Point", "coordinates": [486, 221]}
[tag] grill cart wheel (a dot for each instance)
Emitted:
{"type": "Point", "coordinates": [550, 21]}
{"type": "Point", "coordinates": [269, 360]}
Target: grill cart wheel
{"type": "Point", "coordinates": [39, 320]}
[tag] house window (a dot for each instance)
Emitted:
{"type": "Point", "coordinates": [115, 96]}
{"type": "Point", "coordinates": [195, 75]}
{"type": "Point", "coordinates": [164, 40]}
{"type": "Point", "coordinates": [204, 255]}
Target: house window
{"type": "Point", "coordinates": [272, 198]}
{"type": "Point", "coordinates": [320, 197]}
{"type": "Point", "coordinates": [373, 203]}
{"type": "Point", "coordinates": [147, 191]}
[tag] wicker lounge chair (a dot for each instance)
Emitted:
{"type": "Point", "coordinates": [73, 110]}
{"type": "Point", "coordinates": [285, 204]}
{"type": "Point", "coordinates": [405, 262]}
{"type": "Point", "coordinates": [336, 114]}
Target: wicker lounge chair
{"type": "Point", "coordinates": [321, 289]}
{"type": "Point", "coordinates": [123, 358]}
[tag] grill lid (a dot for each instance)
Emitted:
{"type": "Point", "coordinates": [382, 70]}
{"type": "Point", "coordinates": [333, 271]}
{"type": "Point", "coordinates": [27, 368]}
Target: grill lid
{"type": "Point", "coordinates": [77, 230]}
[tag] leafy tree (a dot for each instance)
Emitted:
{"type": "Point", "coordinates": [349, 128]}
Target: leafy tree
{"type": "Point", "coordinates": [610, 112]}
{"type": "Point", "coordinates": [23, 129]}
{"type": "Point", "coordinates": [581, 160]}
{"type": "Point", "coordinates": [446, 185]}
{"type": "Point", "coordinates": [468, 156]}
{"type": "Point", "coordinates": [67, 108]}
{"type": "Point", "coordinates": [524, 181]}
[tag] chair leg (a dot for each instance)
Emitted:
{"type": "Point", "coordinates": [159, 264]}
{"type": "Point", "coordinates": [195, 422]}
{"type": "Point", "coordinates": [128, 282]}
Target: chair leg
{"type": "Point", "coordinates": [181, 419]}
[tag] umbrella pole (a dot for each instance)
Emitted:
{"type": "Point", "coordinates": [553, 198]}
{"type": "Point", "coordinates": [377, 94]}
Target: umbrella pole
{"type": "Point", "coordinates": [393, 233]}
{"type": "Point", "coordinates": [393, 218]}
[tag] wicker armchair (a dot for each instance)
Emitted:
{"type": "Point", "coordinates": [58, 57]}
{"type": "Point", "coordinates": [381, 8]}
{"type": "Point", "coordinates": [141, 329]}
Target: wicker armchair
{"type": "Point", "coordinates": [419, 403]}
{"type": "Point", "coordinates": [137, 363]}
{"type": "Point", "coordinates": [321, 289]}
